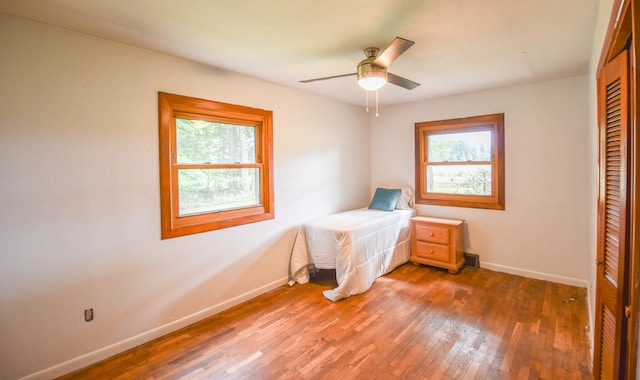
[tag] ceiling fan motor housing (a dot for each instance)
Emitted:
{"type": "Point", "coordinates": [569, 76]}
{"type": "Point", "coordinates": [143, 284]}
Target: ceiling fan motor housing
{"type": "Point", "coordinates": [367, 69]}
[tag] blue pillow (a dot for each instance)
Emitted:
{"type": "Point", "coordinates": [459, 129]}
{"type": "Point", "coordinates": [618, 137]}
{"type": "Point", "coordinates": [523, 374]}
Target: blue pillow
{"type": "Point", "coordinates": [385, 199]}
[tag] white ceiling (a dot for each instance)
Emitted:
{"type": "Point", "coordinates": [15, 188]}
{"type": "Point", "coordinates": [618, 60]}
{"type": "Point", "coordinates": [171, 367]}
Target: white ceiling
{"type": "Point", "coordinates": [460, 45]}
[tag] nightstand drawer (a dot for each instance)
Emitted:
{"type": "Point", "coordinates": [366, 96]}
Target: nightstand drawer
{"type": "Point", "coordinates": [433, 251]}
{"type": "Point", "coordinates": [432, 234]}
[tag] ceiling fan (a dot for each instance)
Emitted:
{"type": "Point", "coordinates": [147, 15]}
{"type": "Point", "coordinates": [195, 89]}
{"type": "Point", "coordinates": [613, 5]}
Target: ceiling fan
{"type": "Point", "coordinates": [372, 71]}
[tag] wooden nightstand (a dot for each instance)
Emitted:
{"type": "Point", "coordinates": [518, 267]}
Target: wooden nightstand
{"type": "Point", "coordinates": [438, 242]}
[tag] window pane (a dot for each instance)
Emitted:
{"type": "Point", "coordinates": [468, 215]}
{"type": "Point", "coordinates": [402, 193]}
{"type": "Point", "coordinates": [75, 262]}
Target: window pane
{"type": "Point", "coordinates": [206, 190]}
{"type": "Point", "coordinates": [459, 179]}
{"type": "Point", "coordinates": [200, 142]}
{"type": "Point", "coordinates": [460, 147]}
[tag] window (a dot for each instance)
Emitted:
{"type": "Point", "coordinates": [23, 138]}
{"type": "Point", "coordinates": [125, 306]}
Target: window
{"type": "Point", "coordinates": [460, 162]}
{"type": "Point", "coordinates": [215, 165]}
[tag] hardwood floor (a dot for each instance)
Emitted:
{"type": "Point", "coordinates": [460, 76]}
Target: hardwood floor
{"type": "Point", "coordinates": [417, 322]}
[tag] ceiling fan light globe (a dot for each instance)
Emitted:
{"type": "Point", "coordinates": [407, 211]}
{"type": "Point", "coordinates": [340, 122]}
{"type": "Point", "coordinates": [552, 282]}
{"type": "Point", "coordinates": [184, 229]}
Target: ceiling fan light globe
{"type": "Point", "coordinates": [370, 76]}
{"type": "Point", "coordinates": [372, 83]}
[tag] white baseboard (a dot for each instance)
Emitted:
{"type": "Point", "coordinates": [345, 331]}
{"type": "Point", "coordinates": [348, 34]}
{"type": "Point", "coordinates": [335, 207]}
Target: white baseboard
{"type": "Point", "coordinates": [118, 347]}
{"type": "Point", "coordinates": [536, 275]}
{"type": "Point", "coordinates": [591, 325]}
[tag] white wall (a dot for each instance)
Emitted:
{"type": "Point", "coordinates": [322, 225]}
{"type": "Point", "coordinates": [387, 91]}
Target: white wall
{"type": "Point", "coordinates": [545, 231]}
{"type": "Point", "coordinates": [79, 194]}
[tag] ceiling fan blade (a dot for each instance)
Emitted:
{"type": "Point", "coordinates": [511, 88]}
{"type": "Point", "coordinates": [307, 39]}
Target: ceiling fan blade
{"type": "Point", "coordinates": [402, 82]}
{"type": "Point", "coordinates": [325, 78]}
{"type": "Point", "coordinates": [393, 51]}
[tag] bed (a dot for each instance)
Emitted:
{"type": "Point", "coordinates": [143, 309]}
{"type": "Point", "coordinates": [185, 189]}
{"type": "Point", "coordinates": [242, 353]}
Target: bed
{"type": "Point", "coordinates": [361, 244]}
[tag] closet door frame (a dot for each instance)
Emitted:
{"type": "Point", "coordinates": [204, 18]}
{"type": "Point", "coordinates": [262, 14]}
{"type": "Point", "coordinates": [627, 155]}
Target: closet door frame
{"type": "Point", "coordinates": [621, 34]}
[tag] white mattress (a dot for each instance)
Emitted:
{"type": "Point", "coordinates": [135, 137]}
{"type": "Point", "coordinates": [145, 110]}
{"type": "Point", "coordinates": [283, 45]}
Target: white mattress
{"type": "Point", "coordinates": [361, 245]}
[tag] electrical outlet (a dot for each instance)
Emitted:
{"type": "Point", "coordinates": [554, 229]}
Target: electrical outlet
{"type": "Point", "coordinates": [88, 315]}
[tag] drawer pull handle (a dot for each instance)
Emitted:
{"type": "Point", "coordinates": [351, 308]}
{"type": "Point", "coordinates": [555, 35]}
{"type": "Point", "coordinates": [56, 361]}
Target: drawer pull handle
{"type": "Point", "coordinates": [432, 234]}
{"type": "Point", "coordinates": [431, 251]}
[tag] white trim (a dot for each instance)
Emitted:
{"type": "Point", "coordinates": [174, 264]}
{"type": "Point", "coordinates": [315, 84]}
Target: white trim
{"type": "Point", "coordinates": [136, 340]}
{"type": "Point", "coordinates": [536, 275]}
{"type": "Point", "coordinates": [591, 325]}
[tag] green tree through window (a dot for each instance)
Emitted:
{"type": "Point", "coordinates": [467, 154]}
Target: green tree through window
{"type": "Point", "coordinates": [204, 142]}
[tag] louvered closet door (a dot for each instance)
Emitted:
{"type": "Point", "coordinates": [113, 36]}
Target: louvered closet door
{"type": "Point", "coordinates": [611, 285]}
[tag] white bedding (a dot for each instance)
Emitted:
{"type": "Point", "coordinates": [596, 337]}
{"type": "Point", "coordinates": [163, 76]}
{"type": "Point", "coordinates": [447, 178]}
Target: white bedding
{"type": "Point", "coordinates": [361, 245]}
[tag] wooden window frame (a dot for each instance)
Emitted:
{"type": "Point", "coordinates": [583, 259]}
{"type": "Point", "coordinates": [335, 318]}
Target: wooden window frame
{"type": "Point", "coordinates": [493, 122]}
{"type": "Point", "coordinates": [171, 106]}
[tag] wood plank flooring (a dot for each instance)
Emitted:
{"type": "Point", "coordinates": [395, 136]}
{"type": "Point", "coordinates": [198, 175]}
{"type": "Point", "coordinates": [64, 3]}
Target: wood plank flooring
{"type": "Point", "coordinates": [417, 322]}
